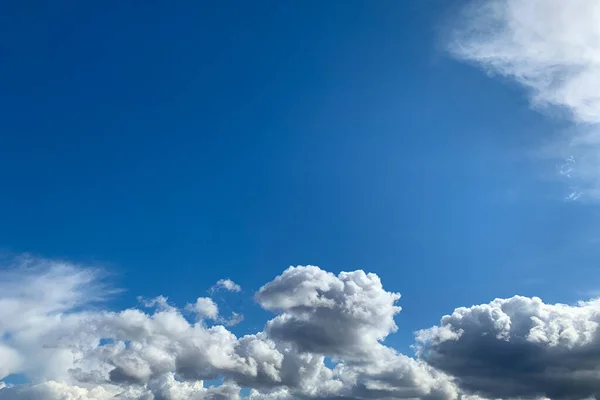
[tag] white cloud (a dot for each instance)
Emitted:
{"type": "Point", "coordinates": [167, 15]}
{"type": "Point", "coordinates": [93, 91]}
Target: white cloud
{"type": "Point", "coordinates": [11, 361]}
{"type": "Point", "coordinates": [52, 390]}
{"type": "Point", "coordinates": [226, 284]}
{"type": "Point", "coordinates": [205, 307]}
{"type": "Point", "coordinates": [345, 315]}
{"type": "Point", "coordinates": [36, 300]}
{"type": "Point", "coordinates": [164, 388]}
{"type": "Point", "coordinates": [73, 351]}
{"type": "Point", "coordinates": [233, 320]}
{"type": "Point", "coordinates": [551, 48]}
{"type": "Point", "coordinates": [510, 348]}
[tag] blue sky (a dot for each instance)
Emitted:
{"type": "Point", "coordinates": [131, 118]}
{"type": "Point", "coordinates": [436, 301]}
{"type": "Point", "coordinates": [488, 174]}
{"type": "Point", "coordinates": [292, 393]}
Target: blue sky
{"type": "Point", "coordinates": [176, 144]}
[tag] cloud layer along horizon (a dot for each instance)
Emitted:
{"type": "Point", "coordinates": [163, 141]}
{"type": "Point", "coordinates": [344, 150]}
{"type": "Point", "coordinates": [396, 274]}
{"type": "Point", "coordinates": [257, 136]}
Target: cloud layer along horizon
{"type": "Point", "coordinates": [54, 330]}
{"type": "Point", "coordinates": [551, 48]}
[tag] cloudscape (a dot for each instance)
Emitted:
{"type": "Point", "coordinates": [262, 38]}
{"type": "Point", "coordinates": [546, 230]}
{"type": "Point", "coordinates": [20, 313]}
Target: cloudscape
{"type": "Point", "coordinates": [518, 347]}
{"type": "Point", "coordinates": [300, 200]}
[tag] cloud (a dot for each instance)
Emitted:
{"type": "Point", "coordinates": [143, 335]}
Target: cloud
{"type": "Point", "coordinates": [164, 388]}
{"type": "Point", "coordinates": [519, 348]}
{"type": "Point", "coordinates": [345, 315]}
{"type": "Point", "coordinates": [205, 307]}
{"type": "Point", "coordinates": [55, 331]}
{"type": "Point", "coordinates": [550, 47]}
{"type": "Point", "coordinates": [233, 320]}
{"type": "Point", "coordinates": [52, 390]}
{"type": "Point", "coordinates": [71, 348]}
{"type": "Point", "coordinates": [36, 300]}
{"type": "Point", "coordinates": [11, 360]}
{"type": "Point", "coordinates": [226, 284]}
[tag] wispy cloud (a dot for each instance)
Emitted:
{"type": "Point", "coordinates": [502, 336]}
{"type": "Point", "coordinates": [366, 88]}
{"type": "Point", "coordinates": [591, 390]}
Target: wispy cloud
{"type": "Point", "coordinates": [552, 48]}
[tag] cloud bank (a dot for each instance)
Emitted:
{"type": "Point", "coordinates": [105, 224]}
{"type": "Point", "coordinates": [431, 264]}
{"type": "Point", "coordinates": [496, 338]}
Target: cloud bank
{"type": "Point", "coordinates": [550, 47]}
{"type": "Point", "coordinates": [54, 330]}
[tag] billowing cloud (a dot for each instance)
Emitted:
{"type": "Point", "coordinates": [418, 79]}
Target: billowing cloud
{"type": "Point", "coordinates": [54, 331]}
{"type": "Point", "coordinates": [345, 315]}
{"type": "Point", "coordinates": [519, 348]}
{"type": "Point", "coordinates": [226, 284]}
{"type": "Point", "coordinates": [164, 388]}
{"type": "Point", "coordinates": [52, 390]}
{"type": "Point", "coordinates": [72, 349]}
{"type": "Point", "coordinates": [551, 48]}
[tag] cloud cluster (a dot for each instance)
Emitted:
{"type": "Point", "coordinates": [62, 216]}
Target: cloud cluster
{"type": "Point", "coordinates": [550, 47]}
{"type": "Point", "coordinates": [54, 331]}
{"type": "Point", "coordinates": [164, 388]}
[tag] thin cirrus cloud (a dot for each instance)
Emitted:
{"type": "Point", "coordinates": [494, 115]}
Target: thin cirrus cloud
{"type": "Point", "coordinates": [551, 48]}
{"type": "Point", "coordinates": [57, 334]}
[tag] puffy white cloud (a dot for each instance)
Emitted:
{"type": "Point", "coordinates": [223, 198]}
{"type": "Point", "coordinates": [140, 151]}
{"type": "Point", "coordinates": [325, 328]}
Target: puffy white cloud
{"type": "Point", "coordinates": [551, 48]}
{"type": "Point", "coordinates": [345, 315]}
{"type": "Point", "coordinates": [72, 351]}
{"type": "Point", "coordinates": [519, 348]}
{"type": "Point", "coordinates": [165, 387]}
{"type": "Point", "coordinates": [226, 284]}
{"type": "Point", "coordinates": [205, 307]}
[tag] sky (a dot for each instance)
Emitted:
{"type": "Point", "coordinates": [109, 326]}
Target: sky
{"type": "Point", "coordinates": [299, 200]}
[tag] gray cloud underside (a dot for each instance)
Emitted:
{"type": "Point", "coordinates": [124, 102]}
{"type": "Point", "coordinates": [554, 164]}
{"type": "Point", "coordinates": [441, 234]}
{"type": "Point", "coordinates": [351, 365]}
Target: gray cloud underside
{"type": "Point", "coordinates": [519, 347]}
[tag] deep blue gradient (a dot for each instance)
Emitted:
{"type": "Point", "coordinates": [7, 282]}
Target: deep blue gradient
{"type": "Point", "coordinates": [177, 143]}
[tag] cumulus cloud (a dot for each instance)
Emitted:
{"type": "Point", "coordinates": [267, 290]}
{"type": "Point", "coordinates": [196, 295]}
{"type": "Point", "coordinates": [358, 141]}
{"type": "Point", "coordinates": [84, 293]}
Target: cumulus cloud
{"type": "Point", "coordinates": [52, 390]}
{"type": "Point", "coordinates": [71, 350]}
{"type": "Point", "coordinates": [510, 348]}
{"type": "Point", "coordinates": [519, 348]}
{"type": "Point", "coordinates": [551, 48]}
{"type": "Point", "coordinates": [226, 284]}
{"type": "Point", "coordinates": [345, 315]}
{"type": "Point", "coordinates": [164, 388]}
{"type": "Point", "coordinates": [205, 307]}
